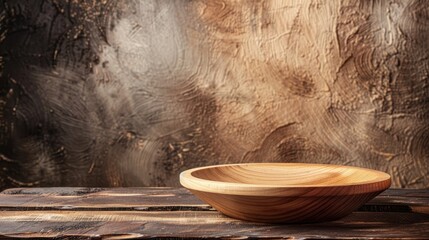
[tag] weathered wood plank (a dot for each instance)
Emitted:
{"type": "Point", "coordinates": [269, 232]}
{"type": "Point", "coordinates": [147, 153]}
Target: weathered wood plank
{"type": "Point", "coordinates": [168, 199]}
{"type": "Point", "coordinates": [175, 213]}
{"type": "Point", "coordinates": [208, 224]}
{"type": "Point", "coordinates": [143, 199]}
{"type": "Point", "coordinates": [78, 191]}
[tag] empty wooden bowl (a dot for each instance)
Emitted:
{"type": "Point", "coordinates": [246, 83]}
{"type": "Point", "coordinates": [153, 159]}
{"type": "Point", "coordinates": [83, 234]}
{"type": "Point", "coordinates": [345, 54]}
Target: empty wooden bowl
{"type": "Point", "coordinates": [285, 192]}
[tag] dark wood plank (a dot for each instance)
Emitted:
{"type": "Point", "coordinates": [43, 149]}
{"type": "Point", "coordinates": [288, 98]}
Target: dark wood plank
{"type": "Point", "coordinates": [400, 200]}
{"type": "Point", "coordinates": [176, 213]}
{"type": "Point", "coordinates": [77, 191]}
{"type": "Point", "coordinates": [142, 199]}
{"type": "Point", "coordinates": [204, 224]}
{"type": "Point", "coordinates": [169, 199]}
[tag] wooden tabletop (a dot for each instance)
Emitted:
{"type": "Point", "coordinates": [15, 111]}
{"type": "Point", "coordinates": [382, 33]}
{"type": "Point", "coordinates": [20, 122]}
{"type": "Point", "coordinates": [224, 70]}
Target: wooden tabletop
{"type": "Point", "coordinates": [120, 213]}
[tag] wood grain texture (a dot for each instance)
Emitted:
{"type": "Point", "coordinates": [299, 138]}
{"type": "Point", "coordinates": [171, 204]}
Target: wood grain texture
{"type": "Point", "coordinates": [285, 192]}
{"type": "Point", "coordinates": [204, 225]}
{"type": "Point", "coordinates": [393, 215]}
{"type": "Point", "coordinates": [132, 92]}
{"type": "Point", "coordinates": [133, 199]}
{"type": "Point", "coordinates": [147, 199]}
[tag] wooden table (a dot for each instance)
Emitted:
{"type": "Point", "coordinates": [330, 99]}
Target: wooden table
{"type": "Point", "coordinates": [119, 213]}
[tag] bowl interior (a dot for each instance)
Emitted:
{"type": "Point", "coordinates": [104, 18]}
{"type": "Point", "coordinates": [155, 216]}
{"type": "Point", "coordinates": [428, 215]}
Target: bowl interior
{"type": "Point", "coordinates": [289, 174]}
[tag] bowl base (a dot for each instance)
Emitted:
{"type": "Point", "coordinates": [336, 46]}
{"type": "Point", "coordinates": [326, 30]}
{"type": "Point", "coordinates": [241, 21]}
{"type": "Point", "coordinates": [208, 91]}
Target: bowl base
{"type": "Point", "coordinates": [285, 209]}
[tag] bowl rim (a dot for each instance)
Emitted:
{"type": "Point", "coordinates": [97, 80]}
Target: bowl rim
{"type": "Point", "coordinates": [381, 183]}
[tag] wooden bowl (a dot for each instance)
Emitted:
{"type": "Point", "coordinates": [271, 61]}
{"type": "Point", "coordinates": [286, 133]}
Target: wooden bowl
{"type": "Point", "coordinates": [285, 192]}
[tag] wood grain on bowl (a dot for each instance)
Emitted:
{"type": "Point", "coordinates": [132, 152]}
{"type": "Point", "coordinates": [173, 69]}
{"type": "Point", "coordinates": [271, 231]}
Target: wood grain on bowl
{"type": "Point", "coordinates": [285, 192]}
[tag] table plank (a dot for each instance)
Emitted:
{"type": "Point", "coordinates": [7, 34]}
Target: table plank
{"type": "Point", "coordinates": [176, 213]}
{"type": "Point", "coordinates": [204, 224]}
{"type": "Point", "coordinates": [169, 199]}
{"type": "Point", "coordinates": [143, 199]}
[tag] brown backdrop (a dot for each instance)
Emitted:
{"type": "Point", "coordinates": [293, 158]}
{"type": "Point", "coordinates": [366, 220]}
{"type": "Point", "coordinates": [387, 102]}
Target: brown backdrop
{"type": "Point", "coordinates": [130, 93]}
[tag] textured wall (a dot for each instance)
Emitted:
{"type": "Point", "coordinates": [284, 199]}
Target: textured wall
{"type": "Point", "coordinates": [130, 93]}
